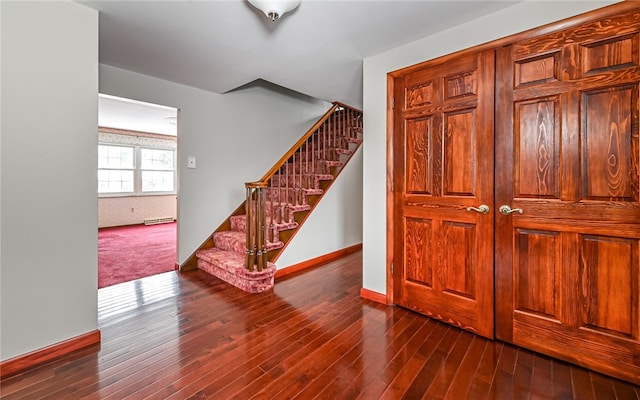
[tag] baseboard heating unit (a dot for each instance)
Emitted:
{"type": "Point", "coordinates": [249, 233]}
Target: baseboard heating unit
{"type": "Point", "coordinates": [154, 221]}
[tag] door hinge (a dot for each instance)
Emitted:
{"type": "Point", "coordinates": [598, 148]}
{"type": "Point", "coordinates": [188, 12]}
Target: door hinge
{"type": "Point", "coordinates": [393, 102]}
{"type": "Point", "coordinates": [393, 186]}
{"type": "Point", "coordinates": [392, 269]}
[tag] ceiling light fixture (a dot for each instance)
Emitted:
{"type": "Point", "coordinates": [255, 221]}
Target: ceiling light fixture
{"type": "Point", "coordinates": [275, 9]}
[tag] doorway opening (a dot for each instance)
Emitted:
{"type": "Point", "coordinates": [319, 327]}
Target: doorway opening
{"type": "Point", "coordinates": [137, 182]}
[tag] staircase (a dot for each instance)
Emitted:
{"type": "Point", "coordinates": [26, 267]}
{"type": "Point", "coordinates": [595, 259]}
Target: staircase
{"type": "Point", "coordinates": [242, 251]}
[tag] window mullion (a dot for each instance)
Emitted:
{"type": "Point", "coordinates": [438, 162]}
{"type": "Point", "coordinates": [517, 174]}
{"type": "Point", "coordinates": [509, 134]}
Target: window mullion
{"type": "Point", "coordinates": [137, 163]}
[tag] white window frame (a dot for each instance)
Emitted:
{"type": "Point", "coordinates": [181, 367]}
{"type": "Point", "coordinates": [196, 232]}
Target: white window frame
{"type": "Point", "coordinates": [137, 172]}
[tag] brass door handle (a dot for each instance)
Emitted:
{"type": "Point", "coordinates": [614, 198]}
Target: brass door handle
{"type": "Point", "coordinates": [506, 210]}
{"type": "Point", "coordinates": [483, 209]}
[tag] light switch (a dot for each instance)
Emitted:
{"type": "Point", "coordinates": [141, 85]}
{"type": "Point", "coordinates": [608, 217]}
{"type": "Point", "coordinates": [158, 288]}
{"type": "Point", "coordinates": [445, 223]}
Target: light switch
{"type": "Point", "coordinates": [191, 161]}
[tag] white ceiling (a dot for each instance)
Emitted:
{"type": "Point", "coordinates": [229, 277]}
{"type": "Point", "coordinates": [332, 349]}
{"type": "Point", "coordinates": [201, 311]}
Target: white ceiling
{"type": "Point", "coordinates": [317, 49]}
{"type": "Point", "coordinates": [132, 115]}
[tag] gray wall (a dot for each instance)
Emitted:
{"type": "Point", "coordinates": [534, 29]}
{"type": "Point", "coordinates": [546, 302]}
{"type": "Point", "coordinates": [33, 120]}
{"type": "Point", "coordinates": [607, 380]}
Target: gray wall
{"type": "Point", "coordinates": [48, 238]}
{"type": "Point", "coordinates": [518, 18]}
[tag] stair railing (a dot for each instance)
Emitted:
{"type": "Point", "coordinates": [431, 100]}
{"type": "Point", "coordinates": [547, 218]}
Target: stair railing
{"type": "Point", "coordinates": [272, 201]}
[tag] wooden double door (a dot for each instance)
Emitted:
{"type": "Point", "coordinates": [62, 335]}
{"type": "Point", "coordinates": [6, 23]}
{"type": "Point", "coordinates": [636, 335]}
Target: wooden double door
{"type": "Point", "coordinates": [516, 193]}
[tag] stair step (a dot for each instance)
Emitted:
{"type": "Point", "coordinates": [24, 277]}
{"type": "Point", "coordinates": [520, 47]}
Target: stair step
{"type": "Point", "coordinates": [238, 223]}
{"type": "Point", "coordinates": [283, 211]}
{"type": "Point", "coordinates": [335, 163]}
{"type": "Point", "coordinates": [344, 151]}
{"type": "Point", "coordinates": [317, 154]}
{"type": "Point", "coordinates": [286, 211]}
{"type": "Point", "coordinates": [274, 230]}
{"type": "Point", "coordinates": [279, 194]}
{"type": "Point", "coordinates": [292, 207]}
{"type": "Point", "coordinates": [230, 267]}
{"type": "Point", "coordinates": [231, 241]}
{"type": "Point", "coordinates": [311, 181]}
{"type": "Point", "coordinates": [237, 242]}
{"type": "Point", "coordinates": [313, 192]}
{"type": "Point", "coordinates": [319, 167]}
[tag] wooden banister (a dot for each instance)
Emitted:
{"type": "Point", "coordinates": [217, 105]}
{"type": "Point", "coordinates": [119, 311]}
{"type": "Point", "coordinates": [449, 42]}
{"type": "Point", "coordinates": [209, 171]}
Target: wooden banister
{"type": "Point", "coordinates": [299, 143]}
{"type": "Point", "coordinates": [285, 189]}
{"type": "Point", "coordinates": [337, 103]}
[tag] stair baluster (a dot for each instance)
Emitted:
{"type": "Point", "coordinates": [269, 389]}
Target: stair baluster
{"type": "Point", "coordinates": [251, 255]}
{"type": "Point", "coordinates": [261, 253]}
{"type": "Point", "coordinates": [314, 152]}
{"type": "Point", "coordinates": [300, 187]}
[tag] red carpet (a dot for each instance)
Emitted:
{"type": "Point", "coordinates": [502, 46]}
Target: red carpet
{"type": "Point", "coordinates": [133, 252]}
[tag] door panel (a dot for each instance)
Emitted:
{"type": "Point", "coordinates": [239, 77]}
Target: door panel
{"type": "Point", "coordinates": [538, 278]}
{"type": "Point", "coordinates": [417, 252]}
{"type": "Point", "coordinates": [459, 153]}
{"type": "Point", "coordinates": [607, 137]}
{"type": "Point", "coordinates": [444, 252]}
{"type": "Point", "coordinates": [602, 311]}
{"type": "Point", "coordinates": [418, 167]}
{"type": "Point", "coordinates": [537, 148]}
{"type": "Point", "coordinates": [567, 155]}
{"type": "Point", "coordinates": [458, 267]}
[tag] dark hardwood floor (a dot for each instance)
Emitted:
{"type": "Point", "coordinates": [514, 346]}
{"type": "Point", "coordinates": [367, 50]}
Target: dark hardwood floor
{"type": "Point", "coordinates": [191, 336]}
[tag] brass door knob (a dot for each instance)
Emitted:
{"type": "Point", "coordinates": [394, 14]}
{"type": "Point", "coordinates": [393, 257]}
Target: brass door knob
{"type": "Point", "coordinates": [506, 210]}
{"type": "Point", "coordinates": [483, 209]}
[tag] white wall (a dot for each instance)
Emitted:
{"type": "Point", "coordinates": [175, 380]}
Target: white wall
{"type": "Point", "coordinates": [48, 157]}
{"type": "Point", "coordinates": [132, 210]}
{"type": "Point", "coordinates": [517, 18]}
{"type": "Point", "coordinates": [335, 223]}
{"type": "Point", "coordinates": [236, 137]}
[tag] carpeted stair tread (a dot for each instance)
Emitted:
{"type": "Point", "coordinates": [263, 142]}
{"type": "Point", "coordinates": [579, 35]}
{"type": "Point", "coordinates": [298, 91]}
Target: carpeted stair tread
{"type": "Point", "coordinates": [284, 226]}
{"type": "Point", "coordinates": [230, 267]}
{"type": "Point", "coordinates": [291, 207]}
{"type": "Point", "coordinates": [319, 167]}
{"type": "Point", "coordinates": [232, 261]}
{"type": "Point", "coordinates": [311, 181]}
{"type": "Point", "coordinates": [236, 241]}
{"type": "Point", "coordinates": [321, 152]}
{"type": "Point", "coordinates": [231, 241]}
{"type": "Point", "coordinates": [280, 194]}
{"type": "Point", "coordinates": [344, 151]}
{"type": "Point", "coordinates": [238, 223]}
{"type": "Point", "coordinates": [313, 192]}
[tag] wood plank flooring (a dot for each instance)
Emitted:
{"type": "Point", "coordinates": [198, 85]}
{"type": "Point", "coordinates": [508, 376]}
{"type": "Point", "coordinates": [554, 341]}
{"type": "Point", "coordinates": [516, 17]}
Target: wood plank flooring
{"type": "Point", "coordinates": [191, 336]}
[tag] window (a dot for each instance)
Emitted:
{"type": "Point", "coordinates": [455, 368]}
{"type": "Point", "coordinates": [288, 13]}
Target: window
{"type": "Point", "coordinates": [157, 170]}
{"type": "Point", "coordinates": [115, 169]}
{"type": "Point", "coordinates": [135, 170]}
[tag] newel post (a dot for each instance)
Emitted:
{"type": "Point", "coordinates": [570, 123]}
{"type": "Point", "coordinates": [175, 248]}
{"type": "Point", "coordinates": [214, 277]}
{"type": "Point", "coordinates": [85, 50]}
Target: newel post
{"type": "Point", "coordinates": [256, 221]}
